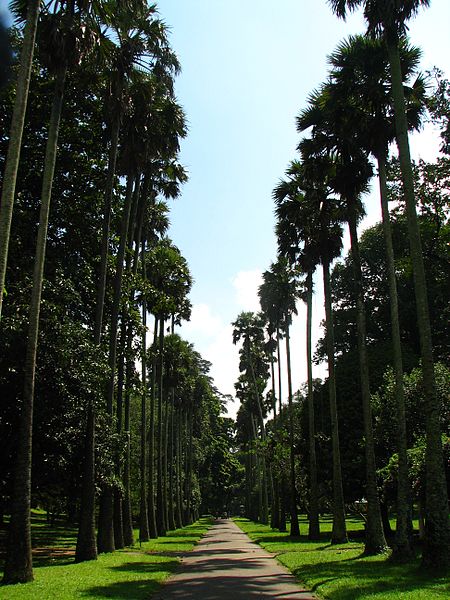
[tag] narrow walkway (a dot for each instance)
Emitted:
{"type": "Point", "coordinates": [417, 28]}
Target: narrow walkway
{"type": "Point", "coordinates": [227, 565]}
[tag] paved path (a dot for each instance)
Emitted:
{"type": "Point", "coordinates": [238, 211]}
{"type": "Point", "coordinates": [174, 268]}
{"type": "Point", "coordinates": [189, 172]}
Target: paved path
{"type": "Point", "coordinates": [226, 565]}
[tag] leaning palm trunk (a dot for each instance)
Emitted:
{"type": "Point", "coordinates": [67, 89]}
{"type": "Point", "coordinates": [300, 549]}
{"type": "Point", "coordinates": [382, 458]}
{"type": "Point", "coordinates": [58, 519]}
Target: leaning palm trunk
{"type": "Point", "coordinates": [295, 529]}
{"type": "Point", "coordinates": [402, 548]}
{"type": "Point", "coordinates": [339, 532]}
{"type": "Point", "coordinates": [18, 566]}
{"type": "Point", "coordinates": [105, 536]}
{"type": "Point", "coordinates": [436, 550]}
{"type": "Point", "coordinates": [314, 528]}
{"type": "Point", "coordinates": [375, 541]}
{"type": "Point", "coordinates": [15, 138]}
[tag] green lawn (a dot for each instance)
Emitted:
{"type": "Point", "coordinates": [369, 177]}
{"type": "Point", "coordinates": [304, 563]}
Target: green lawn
{"type": "Point", "coordinates": [340, 572]}
{"type": "Point", "coordinates": [132, 574]}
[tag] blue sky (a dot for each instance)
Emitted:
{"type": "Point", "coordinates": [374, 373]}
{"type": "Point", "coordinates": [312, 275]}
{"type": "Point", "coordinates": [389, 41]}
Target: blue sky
{"type": "Point", "coordinates": [248, 67]}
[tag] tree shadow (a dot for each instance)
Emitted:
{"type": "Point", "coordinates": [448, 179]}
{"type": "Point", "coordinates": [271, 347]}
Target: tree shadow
{"type": "Point", "coordinates": [367, 578]}
{"type": "Point", "coordinates": [124, 590]}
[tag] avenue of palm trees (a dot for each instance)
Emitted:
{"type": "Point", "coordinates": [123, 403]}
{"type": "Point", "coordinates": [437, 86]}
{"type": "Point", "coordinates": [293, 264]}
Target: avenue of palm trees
{"type": "Point", "coordinates": [372, 97]}
{"type": "Point", "coordinates": [111, 418]}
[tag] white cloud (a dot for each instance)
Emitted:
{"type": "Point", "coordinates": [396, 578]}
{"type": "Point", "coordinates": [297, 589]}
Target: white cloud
{"type": "Point", "coordinates": [203, 322]}
{"type": "Point", "coordinates": [246, 285]}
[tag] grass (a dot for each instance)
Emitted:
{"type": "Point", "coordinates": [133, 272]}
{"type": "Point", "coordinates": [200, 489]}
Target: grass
{"type": "Point", "coordinates": [340, 572]}
{"type": "Point", "coordinates": [133, 573]}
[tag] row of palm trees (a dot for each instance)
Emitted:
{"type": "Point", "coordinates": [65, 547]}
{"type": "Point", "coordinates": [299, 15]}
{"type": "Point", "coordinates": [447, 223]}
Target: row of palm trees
{"type": "Point", "coordinates": [123, 45]}
{"type": "Point", "coordinates": [372, 96]}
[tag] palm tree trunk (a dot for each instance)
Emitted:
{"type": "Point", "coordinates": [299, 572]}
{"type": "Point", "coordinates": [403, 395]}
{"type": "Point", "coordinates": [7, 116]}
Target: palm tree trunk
{"type": "Point", "coordinates": [153, 530]}
{"type": "Point", "coordinates": [436, 552]}
{"type": "Point", "coordinates": [165, 457]}
{"type": "Point", "coordinates": [128, 537]}
{"type": "Point", "coordinates": [180, 507]}
{"type": "Point", "coordinates": [172, 523]}
{"type": "Point", "coordinates": [402, 549]}
{"type": "Point", "coordinates": [279, 371]}
{"type": "Point", "coordinates": [160, 512]}
{"type": "Point", "coordinates": [118, 512]}
{"type": "Point", "coordinates": [375, 541]}
{"type": "Point", "coordinates": [15, 137]}
{"type": "Point", "coordinates": [275, 507]}
{"type": "Point", "coordinates": [18, 566]}
{"type": "Point", "coordinates": [314, 528]}
{"type": "Point", "coordinates": [104, 250]}
{"type": "Point", "coordinates": [295, 529]}
{"type": "Point", "coordinates": [264, 513]}
{"type": "Point", "coordinates": [143, 518]}
{"type": "Point", "coordinates": [281, 483]}
{"type": "Point", "coordinates": [339, 532]}
{"type": "Point", "coordinates": [105, 535]}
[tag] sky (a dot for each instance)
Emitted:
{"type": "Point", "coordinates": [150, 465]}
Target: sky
{"type": "Point", "coordinates": [248, 67]}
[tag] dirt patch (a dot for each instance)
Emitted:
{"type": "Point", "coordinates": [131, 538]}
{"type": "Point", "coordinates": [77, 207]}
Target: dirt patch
{"type": "Point", "coordinates": [53, 552]}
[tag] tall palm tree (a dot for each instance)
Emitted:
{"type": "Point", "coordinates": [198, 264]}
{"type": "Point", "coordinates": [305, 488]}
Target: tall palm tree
{"type": "Point", "coordinates": [360, 73]}
{"type": "Point", "coordinates": [282, 281]}
{"type": "Point", "coordinates": [331, 136]}
{"type": "Point", "coordinates": [290, 238]}
{"type": "Point", "coordinates": [308, 232]}
{"type": "Point", "coordinates": [253, 364]}
{"type": "Point", "coordinates": [140, 36]}
{"type": "Point", "coordinates": [15, 137]}
{"type": "Point", "coordinates": [65, 31]}
{"type": "Point", "coordinates": [389, 19]}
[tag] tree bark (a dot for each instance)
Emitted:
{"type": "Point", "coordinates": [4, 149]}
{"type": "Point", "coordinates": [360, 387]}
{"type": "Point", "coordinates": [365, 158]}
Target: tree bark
{"type": "Point", "coordinates": [15, 137]}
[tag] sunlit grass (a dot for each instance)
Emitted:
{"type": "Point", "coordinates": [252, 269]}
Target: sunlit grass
{"type": "Point", "coordinates": [133, 573]}
{"type": "Point", "coordinates": [340, 572]}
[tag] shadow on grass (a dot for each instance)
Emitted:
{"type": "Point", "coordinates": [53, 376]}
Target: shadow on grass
{"type": "Point", "coordinates": [146, 567]}
{"type": "Point", "coordinates": [375, 577]}
{"type": "Point", "coordinates": [136, 590]}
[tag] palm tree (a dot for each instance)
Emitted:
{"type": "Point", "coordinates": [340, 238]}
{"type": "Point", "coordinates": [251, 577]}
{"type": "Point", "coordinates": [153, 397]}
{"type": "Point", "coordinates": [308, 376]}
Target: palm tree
{"type": "Point", "coordinates": [253, 364]}
{"type": "Point", "coordinates": [64, 35]}
{"type": "Point", "coordinates": [331, 136]}
{"type": "Point", "coordinates": [389, 19]}
{"type": "Point", "coordinates": [283, 283]}
{"type": "Point", "coordinates": [360, 72]}
{"type": "Point", "coordinates": [308, 232]}
{"type": "Point", "coordinates": [290, 237]}
{"type": "Point", "coordinates": [15, 138]}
